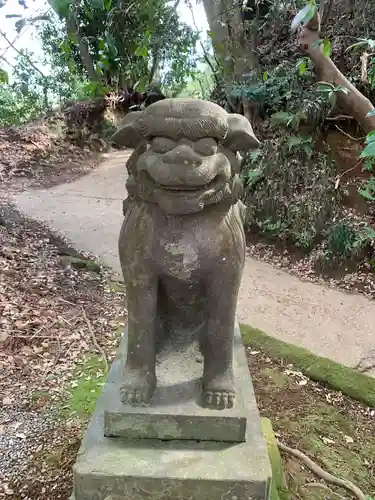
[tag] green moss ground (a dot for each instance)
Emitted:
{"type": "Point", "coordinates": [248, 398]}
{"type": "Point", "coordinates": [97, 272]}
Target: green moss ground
{"type": "Point", "coordinates": [78, 263]}
{"type": "Point", "coordinates": [279, 489]}
{"type": "Point", "coordinates": [339, 377]}
{"type": "Point", "coordinates": [116, 286]}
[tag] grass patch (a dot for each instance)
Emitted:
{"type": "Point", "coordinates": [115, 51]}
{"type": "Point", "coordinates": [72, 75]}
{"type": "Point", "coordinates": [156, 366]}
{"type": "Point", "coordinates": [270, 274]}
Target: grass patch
{"type": "Point", "coordinates": [335, 375]}
{"type": "Point", "coordinates": [277, 380]}
{"type": "Point", "coordinates": [77, 263]}
{"type": "Point", "coordinates": [88, 380]}
{"type": "Point", "coordinates": [116, 286]}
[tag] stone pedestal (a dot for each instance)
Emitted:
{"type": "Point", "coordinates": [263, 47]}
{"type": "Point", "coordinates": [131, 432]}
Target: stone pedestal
{"type": "Point", "coordinates": [176, 411]}
{"type": "Point", "coordinates": [174, 449]}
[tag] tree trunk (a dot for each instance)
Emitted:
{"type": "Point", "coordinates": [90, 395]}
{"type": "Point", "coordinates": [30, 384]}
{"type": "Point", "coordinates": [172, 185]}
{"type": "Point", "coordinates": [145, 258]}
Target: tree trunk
{"type": "Point", "coordinates": [154, 67]}
{"type": "Point", "coordinates": [354, 102]}
{"type": "Point", "coordinates": [83, 48]}
{"type": "Point", "coordinates": [228, 38]}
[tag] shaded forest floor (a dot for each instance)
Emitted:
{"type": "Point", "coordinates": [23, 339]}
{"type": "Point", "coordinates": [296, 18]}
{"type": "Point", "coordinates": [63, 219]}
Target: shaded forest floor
{"type": "Point", "coordinates": [56, 308]}
{"type": "Point", "coordinates": [40, 155]}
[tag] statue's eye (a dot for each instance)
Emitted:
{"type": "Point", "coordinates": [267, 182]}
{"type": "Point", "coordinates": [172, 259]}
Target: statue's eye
{"type": "Point", "coordinates": [206, 147]}
{"type": "Point", "coordinates": [162, 145]}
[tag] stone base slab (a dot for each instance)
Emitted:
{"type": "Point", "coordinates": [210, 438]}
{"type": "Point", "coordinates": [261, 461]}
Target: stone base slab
{"type": "Point", "coordinates": [176, 410]}
{"type": "Point", "coordinates": [135, 469]}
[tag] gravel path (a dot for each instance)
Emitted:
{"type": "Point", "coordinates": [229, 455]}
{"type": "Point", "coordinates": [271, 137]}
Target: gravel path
{"type": "Point", "coordinates": [329, 322]}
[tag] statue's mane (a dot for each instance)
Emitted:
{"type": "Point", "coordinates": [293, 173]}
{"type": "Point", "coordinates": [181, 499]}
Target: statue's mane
{"type": "Point", "coordinates": [193, 119]}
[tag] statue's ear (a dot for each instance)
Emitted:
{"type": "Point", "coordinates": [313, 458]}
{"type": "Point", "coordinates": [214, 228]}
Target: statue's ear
{"type": "Point", "coordinates": [129, 133]}
{"type": "Point", "coordinates": [240, 135]}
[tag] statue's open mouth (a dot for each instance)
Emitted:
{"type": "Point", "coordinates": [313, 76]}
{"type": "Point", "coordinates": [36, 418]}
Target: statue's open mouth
{"type": "Point", "coordinates": [185, 197]}
{"type": "Point", "coordinates": [216, 182]}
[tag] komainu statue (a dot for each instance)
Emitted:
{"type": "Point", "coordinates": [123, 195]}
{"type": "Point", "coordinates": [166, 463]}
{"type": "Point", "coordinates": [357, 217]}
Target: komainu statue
{"type": "Point", "coordinates": [182, 243]}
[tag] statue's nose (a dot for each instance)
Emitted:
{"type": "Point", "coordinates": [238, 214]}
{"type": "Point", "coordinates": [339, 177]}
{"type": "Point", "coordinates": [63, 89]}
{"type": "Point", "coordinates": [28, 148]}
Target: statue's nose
{"type": "Point", "coordinates": [182, 154]}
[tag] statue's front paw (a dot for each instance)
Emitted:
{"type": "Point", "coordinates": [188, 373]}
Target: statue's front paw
{"type": "Point", "coordinates": [218, 390]}
{"type": "Point", "coordinates": [219, 400]}
{"type": "Point", "coordinates": [138, 387]}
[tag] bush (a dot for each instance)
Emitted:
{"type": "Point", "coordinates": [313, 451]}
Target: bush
{"type": "Point", "coordinates": [343, 242]}
{"type": "Point", "coordinates": [289, 191]}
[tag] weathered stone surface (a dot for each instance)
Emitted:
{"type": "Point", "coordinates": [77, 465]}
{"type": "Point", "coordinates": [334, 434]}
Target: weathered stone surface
{"type": "Point", "coordinates": [176, 410]}
{"type": "Point", "coordinates": [182, 243]}
{"type": "Point", "coordinates": [134, 469]}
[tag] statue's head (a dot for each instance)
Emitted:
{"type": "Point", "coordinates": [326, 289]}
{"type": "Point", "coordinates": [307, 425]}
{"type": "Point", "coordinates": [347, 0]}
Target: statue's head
{"type": "Point", "coordinates": [189, 153]}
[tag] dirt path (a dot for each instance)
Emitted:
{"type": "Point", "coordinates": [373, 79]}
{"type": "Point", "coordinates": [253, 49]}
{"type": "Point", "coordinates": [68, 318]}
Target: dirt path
{"type": "Point", "coordinates": [331, 323]}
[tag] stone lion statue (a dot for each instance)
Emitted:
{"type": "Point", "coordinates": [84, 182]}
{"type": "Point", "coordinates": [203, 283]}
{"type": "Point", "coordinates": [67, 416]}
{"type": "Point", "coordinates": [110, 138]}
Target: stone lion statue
{"type": "Point", "coordinates": [182, 243]}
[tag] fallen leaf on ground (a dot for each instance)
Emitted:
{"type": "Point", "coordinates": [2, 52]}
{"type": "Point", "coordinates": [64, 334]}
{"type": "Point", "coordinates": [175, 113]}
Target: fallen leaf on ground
{"type": "Point", "coordinates": [327, 440]}
{"type": "Point", "coordinates": [349, 439]}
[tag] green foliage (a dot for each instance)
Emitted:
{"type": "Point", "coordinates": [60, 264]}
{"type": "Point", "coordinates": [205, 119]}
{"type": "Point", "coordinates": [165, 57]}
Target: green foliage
{"type": "Point", "coordinates": [127, 43]}
{"type": "Point", "coordinates": [200, 83]}
{"type": "Point", "coordinates": [291, 120]}
{"type": "Point", "coordinates": [283, 117]}
{"type": "Point", "coordinates": [65, 80]}
{"type": "Point", "coordinates": [4, 77]}
{"type": "Point", "coordinates": [304, 66]}
{"type": "Point", "coordinates": [326, 46]}
{"type": "Point", "coordinates": [367, 43]}
{"type": "Point", "coordinates": [331, 92]}
{"type": "Point", "coordinates": [369, 151]}
{"type": "Point", "coordinates": [343, 242]}
{"type": "Point", "coordinates": [367, 190]}
{"type": "Point", "coordinates": [288, 183]}
{"type": "Point", "coordinates": [289, 190]}
{"type": "Point", "coordinates": [287, 90]}
{"type": "Point", "coordinates": [16, 107]}
{"type": "Point", "coordinates": [363, 43]}
{"type": "Point", "coordinates": [305, 144]}
{"type": "Point", "coordinates": [289, 187]}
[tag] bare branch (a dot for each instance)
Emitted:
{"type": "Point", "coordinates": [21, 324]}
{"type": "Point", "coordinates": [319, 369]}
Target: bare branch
{"type": "Point", "coordinates": [353, 100]}
{"type": "Point", "coordinates": [11, 44]}
{"type": "Point", "coordinates": [205, 55]}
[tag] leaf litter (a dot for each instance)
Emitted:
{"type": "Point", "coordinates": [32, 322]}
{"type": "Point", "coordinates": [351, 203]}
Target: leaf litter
{"type": "Point", "coordinates": [39, 154]}
{"type": "Point", "coordinates": [52, 316]}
